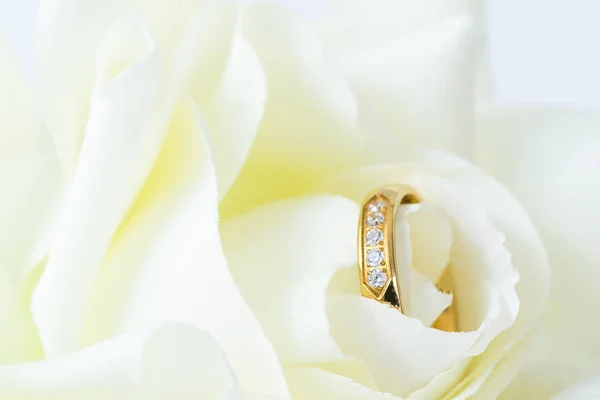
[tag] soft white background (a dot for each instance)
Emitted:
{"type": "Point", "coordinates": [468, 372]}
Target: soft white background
{"type": "Point", "coordinates": [540, 51]}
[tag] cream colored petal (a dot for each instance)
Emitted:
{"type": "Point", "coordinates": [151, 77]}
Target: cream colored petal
{"type": "Point", "coordinates": [351, 26]}
{"type": "Point", "coordinates": [19, 337]}
{"type": "Point", "coordinates": [422, 246]}
{"type": "Point", "coordinates": [234, 113]}
{"type": "Point", "coordinates": [166, 263]}
{"type": "Point", "coordinates": [29, 175]}
{"type": "Point", "coordinates": [121, 142]}
{"type": "Point", "coordinates": [438, 387]}
{"type": "Point", "coordinates": [528, 255]}
{"type": "Point", "coordinates": [70, 31]}
{"type": "Point", "coordinates": [309, 128]}
{"type": "Point", "coordinates": [219, 68]}
{"type": "Point", "coordinates": [31, 187]}
{"type": "Point", "coordinates": [411, 65]}
{"type": "Point", "coordinates": [431, 241]}
{"type": "Point", "coordinates": [476, 241]}
{"type": "Point", "coordinates": [490, 307]}
{"type": "Point", "coordinates": [549, 159]}
{"type": "Point", "coordinates": [588, 389]}
{"type": "Point", "coordinates": [283, 257]}
{"type": "Point", "coordinates": [180, 362]}
{"type": "Point", "coordinates": [427, 302]}
{"type": "Point", "coordinates": [401, 353]}
{"type": "Point", "coordinates": [317, 384]}
{"type": "Point", "coordinates": [537, 382]}
{"type": "Point", "coordinates": [499, 373]}
{"type": "Point", "coordinates": [417, 90]}
{"type": "Point", "coordinates": [174, 361]}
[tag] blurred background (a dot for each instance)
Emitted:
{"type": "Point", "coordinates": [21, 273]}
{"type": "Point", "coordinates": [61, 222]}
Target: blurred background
{"type": "Point", "coordinates": [539, 51]}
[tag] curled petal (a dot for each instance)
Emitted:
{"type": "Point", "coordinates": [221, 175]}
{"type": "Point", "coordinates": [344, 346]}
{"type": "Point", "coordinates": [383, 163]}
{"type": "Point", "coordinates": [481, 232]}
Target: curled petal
{"type": "Point", "coordinates": [283, 257]}
{"type": "Point", "coordinates": [315, 383]}
{"type": "Point", "coordinates": [69, 34]}
{"type": "Point", "coordinates": [586, 390]}
{"type": "Point", "coordinates": [488, 309]}
{"type": "Point", "coordinates": [235, 111]}
{"type": "Point", "coordinates": [31, 185]}
{"type": "Point", "coordinates": [121, 142]}
{"type": "Point", "coordinates": [309, 128]}
{"type": "Point", "coordinates": [427, 302]}
{"type": "Point", "coordinates": [553, 170]}
{"type": "Point", "coordinates": [351, 26]}
{"type": "Point", "coordinates": [166, 262]}
{"type": "Point", "coordinates": [171, 361]}
{"type": "Point", "coordinates": [417, 89]}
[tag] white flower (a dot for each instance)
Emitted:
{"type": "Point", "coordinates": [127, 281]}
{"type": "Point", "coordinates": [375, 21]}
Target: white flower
{"type": "Point", "coordinates": [586, 390]}
{"type": "Point", "coordinates": [115, 250]}
{"type": "Point", "coordinates": [157, 117]}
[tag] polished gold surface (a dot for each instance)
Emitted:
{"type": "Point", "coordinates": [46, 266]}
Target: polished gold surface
{"type": "Point", "coordinates": [379, 278]}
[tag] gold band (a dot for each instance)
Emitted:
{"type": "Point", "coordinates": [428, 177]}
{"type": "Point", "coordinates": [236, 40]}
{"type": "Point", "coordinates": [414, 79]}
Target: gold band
{"type": "Point", "coordinates": [379, 278]}
{"type": "Point", "coordinates": [377, 260]}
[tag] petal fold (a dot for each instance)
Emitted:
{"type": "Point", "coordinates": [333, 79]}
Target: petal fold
{"type": "Point", "coordinates": [31, 184]}
{"type": "Point", "coordinates": [283, 256]}
{"type": "Point", "coordinates": [309, 128]}
{"type": "Point", "coordinates": [171, 361]}
{"type": "Point", "coordinates": [166, 262]}
{"type": "Point", "coordinates": [121, 142]}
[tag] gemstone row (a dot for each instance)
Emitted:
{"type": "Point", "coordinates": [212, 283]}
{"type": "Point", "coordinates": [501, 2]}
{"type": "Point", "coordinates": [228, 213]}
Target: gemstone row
{"type": "Point", "coordinates": [375, 257]}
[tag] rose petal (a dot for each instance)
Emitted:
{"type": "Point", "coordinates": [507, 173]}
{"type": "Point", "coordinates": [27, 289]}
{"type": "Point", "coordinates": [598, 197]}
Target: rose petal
{"type": "Point", "coordinates": [283, 256]}
{"type": "Point", "coordinates": [350, 26]}
{"type": "Point", "coordinates": [527, 254]}
{"type": "Point", "coordinates": [431, 240]}
{"type": "Point", "coordinates": [490, 307]}
{"type": "Point", "coordinates": [166, 263]}
{"type": "Point", "coordinates": [473, 233]}
{"type": "Point", "coordinates": [202, 370]}
{"type": "Point", "coordinates": [69, 32]}
{"type": "Point", "coordinates": [194, 40]}
{"type": "Point", "coordinates": [586, 390]}
{"type": "Point", "coordinates": [31, 187]}
{"type": "Point", "coordinates": [30, 197]}
{"type": "Point", "coordinates": [173, 361]}
{"type": "Point", "coordinates": [235, 111]}
{"type": "Point", "coordinates": [438, 387]}
{"type": "Point", "coordinates": [315, 383]}
{"type": "Point", "coordinates": [427, 302]}
{"type": "Point", "coordinates": [121, 141]}
{"type": "Point", "coordinates": [309, 128]}
{"type": "Point", "coordinates": [533, 383]}
{"type": "Point", "coordinates": [417, 89]}
{"type": "Point", "coordinates": [402, 354]}
{"type": "Point", "coordinates": [413, 239]}
{"type": "Point", "coordinates": [553, 170]}
{"type": "Point", "coordinates": [522, 240]}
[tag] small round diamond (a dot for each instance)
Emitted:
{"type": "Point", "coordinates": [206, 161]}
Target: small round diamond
{"type": "Point", "coordinates": [377, 278]}
{"type": "Point", "coordinates": [374, 219]}
{"type": "Point", "coordinates": [374, 258]}
{"type": "Point", "coordinates": [377, 206]}
{"type": "Point", "coordinates": [374, 237]}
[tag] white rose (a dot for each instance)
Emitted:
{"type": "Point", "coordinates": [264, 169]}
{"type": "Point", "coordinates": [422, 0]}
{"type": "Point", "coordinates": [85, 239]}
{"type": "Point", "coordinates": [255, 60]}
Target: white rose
{"type": "Point", "coordinates": [586, 390]}
{"type": "Point", "coordinates": [553, 167]}
{"type": "Point", "coordinates": [114, 284]}
{"type": "Point", "coordinates": [162, 113]}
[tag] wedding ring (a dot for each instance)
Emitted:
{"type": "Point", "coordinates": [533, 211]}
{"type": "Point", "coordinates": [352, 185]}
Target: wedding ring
{"type": "Point", "coordinates": [379, 277]}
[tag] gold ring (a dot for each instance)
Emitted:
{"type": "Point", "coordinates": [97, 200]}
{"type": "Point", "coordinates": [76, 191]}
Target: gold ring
{"type": "Point", "coordinates": [379, 277]}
